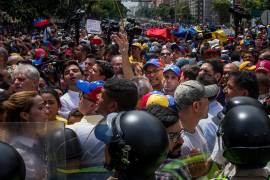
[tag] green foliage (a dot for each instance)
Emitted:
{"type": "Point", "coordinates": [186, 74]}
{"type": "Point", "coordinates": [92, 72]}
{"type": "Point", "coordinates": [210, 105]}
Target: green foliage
{"type": "Point", "coordinates": [107, 9]}
{"type": "Point", "coordinates": [252, 4]}
{"type": "Point", "coordinates": [266, 4]}
{"type": "Point", "coordinates": [221, 7]}
{"type": "Point", "coordinates": [26, 11]}
{"type": "Point", "coordinates": [164, 11]}
{"type": "Point", "coordinates": [183, 12]}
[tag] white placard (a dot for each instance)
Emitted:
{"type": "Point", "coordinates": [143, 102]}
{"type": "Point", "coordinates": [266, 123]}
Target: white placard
{"type": "Point", "coordinates": [93, 26]}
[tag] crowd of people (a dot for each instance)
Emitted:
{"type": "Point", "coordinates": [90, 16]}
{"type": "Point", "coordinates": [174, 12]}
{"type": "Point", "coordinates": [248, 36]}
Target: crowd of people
{"type": "Point", "coordinates": [134, 108]}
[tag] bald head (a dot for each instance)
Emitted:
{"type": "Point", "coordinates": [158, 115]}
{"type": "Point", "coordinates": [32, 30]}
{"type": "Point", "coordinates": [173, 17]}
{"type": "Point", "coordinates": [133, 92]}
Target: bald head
{"type": "Point", "coordinates": [230, 67]}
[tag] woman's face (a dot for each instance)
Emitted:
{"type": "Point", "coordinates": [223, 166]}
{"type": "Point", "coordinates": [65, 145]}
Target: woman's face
{"type": "Point", "coordinates": [52, 105]}
{"type": "Point", "coordinates": [38, 112]}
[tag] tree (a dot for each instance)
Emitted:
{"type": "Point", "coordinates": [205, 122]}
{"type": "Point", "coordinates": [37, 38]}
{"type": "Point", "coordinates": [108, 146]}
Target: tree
{"type": "Point", "coordinates": [183, 12]}
{"type": "Point", "coordinates": [26, 11]}
{"type": "Point", "coordinates": [107, 9]}
{"type": "Point", "coordinates": [266, 4]}
{"type": "Point", "coordinates": [146, 12]}
{"type": "Point", "coordinates": [252, 4]}
{"type": "Point", "coordinates": [221, 7]}
{"type": "Point", "coordinates": [163, 11]}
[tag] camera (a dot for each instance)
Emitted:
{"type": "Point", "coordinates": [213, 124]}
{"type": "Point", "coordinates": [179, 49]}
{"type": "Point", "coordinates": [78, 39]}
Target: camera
{"type": "Point", "coordinates": [133, 28]}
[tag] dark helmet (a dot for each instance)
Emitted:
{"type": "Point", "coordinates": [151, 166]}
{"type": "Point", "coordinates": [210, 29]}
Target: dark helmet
{"type": "Point", "coordinates": [245, 132]}
{"type": "Point", "coordinates": [65, 145]}
{"type": "Point", "coordinates": [11, 163]}
{"type": "Point", "coordinates": [139, 143]}
{"type": "Point", "coordinates": [239, 100]}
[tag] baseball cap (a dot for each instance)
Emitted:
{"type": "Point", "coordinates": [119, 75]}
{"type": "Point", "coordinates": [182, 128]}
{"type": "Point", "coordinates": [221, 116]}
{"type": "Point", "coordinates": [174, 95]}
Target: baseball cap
{"type": "Point", "coordinates": [144, 99]}
{"type": "Point", "coordinates": [137, 45]}
{"type": "Point", "coordinates": [263, 65]}
{"type": "Point", "coordinates": [92, 89]}
{"type": "Point", "coordinates": [191, 91]}
{"type": "Point", "coordinates": [173, 68]}
{"type": "Point", "coordinates": [157, 99]}
{"type": "Point", "coordinates": [155, 62]}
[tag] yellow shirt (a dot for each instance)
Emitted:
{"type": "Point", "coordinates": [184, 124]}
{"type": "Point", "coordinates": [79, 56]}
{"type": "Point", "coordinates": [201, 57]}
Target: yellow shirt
{"type": "Point", "coordinates": [133, 60]}
{"type": "Point", "coordinates": [61, 119]}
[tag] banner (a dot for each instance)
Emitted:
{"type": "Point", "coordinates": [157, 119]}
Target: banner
{"type": "Point", "coordinates": [93, 26]}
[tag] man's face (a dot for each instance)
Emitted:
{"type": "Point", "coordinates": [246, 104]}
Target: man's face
{"type": "Point", "coordinates": [104, 104]}
{"type": "Point", "coordinates": [89, 63]}
{"type": "Point", "coordinates": [117, 64]}
{"type": "Point", "coordinates": [206, 68]}
{"type": "Point", "coordinates": [175, 55]}
{"type": "Point", "coordinates": [170, 81]}
{"type": "Point", "coordinates": [72, 73]}
{"type": "Point", "coordinates": [227, 69]}
{"type": "Point", "coordinates": [78, 53]}
{"type": "Point", "coordinates": [86, 105]}
{"type": "Point", "coordinates": [23, 83]}
{"type": "Point", "coordinates": [232, 90]}
{"type": "Point", "coordinates": [175, 140]}
{"type": "Point", "coordinates": [154, 74]}
{"type": "Point", "coordinates": [248, 57]}
{"type": "Point", "coordinates": [165, 56]}
{"type": "Point", "coordinates": [95, 74]}
{"type": "Point", "coordinates": [204, 108]}
{"type": "Point", "coordinates": [135, 51]}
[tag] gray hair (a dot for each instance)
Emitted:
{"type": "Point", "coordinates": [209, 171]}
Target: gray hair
{"type": "Point", "coordinates": [28, 70]}
{"type": "Point", "coordinates": [143, 85]}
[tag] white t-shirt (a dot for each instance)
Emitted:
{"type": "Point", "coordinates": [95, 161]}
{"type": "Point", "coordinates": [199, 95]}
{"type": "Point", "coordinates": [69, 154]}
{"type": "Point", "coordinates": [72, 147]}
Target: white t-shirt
{"type": "Point", "coordinates": [69, 102]}
{"type": "Point", "coordinates": [192, 141]}
{"type": "Point", "coordinates": [92, 148]}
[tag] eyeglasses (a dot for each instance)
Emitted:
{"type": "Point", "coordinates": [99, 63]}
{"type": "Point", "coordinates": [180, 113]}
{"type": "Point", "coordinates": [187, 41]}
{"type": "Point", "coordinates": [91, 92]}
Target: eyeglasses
{"type": "Point", "coordinates": [163, 54]}
{"type": "Point", "coordinates": [174, 137]}
{"type": "Point", "coordinates": [152, 72]}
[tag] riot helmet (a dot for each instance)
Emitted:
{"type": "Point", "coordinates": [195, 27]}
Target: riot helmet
{"type": "Point", "coordinates": [245, 131]}
{"type": "Point", "coordinates": [239, 100]}
{"type": "Point", "coordinates": [11, 163]}
{"type": "Point", "coordinates": [137, 143]}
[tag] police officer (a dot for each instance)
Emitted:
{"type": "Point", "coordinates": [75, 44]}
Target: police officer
{"type": "Point", "coordinates": [136, 144]}
{"type": "Point", "coordinates": [245, 133]}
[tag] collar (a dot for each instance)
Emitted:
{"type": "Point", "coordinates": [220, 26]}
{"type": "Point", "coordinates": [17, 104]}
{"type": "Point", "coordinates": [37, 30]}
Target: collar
{"type": "Point", "coordinates": [214, 108]}
{"type": "Point", "coordinates": [92, 119]}
{"type": "Point", "coordinates": [73, 93]}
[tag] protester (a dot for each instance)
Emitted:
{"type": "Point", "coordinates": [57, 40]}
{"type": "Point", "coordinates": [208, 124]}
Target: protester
{"type": "Point", "coordinates": [25, 106]}
{"type": "Point", "coordinates": [153, 71]}
{"type": "Point", "coordinates": [141, 67]}
{"type": "Point", "coordinates": [171, 78]}
{"type": "Point", "coordinates": [70, 100]}
{"type": "Point", "coordinates": [52, 101]}
{"type": "Point", "coordinates": [26, 78]}
{"type": "Point", "coordinates": [241, 83]}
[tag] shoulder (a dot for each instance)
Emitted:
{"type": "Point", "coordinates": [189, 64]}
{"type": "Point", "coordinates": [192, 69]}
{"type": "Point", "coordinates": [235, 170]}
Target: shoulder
{"type": "Point", "coordinates": [61, 119]}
